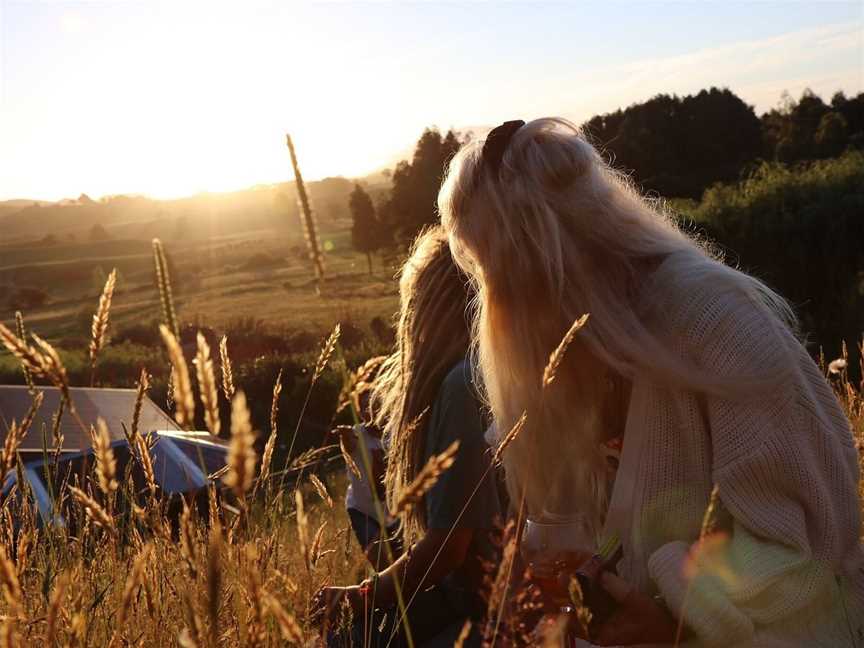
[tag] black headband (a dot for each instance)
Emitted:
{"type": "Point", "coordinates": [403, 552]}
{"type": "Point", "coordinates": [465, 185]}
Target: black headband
{"type": "Point", "coordinates": [496, 143]}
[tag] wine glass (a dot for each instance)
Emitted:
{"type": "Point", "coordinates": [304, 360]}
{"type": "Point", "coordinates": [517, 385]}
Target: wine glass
{"type": "Point", "coordinates": [553, 545]}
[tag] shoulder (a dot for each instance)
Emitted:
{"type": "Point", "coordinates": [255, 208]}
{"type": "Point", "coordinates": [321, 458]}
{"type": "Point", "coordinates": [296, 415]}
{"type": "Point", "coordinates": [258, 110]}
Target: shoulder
{"type": "Point", "coordinates": [458, 384]}
{"type": "Point", "coordinates": [721, 318]}
{"type": "Point", "coordinates": [457, 407]}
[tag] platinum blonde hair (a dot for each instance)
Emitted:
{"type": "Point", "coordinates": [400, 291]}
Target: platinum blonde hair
{"type": "Point", "coordinates": [554, 234]}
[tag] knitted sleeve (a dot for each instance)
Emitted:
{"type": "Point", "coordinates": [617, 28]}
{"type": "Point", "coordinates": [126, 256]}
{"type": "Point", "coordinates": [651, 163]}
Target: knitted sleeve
{"type": "Point", "coordinates": [787, 471]}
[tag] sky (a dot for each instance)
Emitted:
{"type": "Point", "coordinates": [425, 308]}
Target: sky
{"type": "Point", "coordinates": [173, 98]}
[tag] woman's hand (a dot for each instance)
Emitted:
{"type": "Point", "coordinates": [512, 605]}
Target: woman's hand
{"type": "Point", "coordinates": [639, 619]}
{"type": "Point", "coordinates": [328, 601]}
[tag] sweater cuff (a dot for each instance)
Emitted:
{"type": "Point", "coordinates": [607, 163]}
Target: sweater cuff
{"type": "Point", "coordinates": [707, 610]}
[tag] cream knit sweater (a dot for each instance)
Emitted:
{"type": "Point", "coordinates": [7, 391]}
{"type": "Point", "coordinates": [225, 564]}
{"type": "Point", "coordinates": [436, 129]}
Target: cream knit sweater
{"type": "Point", "coordinates": [792, 571]}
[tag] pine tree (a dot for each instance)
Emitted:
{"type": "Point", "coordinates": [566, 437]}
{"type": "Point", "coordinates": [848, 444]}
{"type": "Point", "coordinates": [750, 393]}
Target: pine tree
{"type": "Point", "coordinates": [366, 230]}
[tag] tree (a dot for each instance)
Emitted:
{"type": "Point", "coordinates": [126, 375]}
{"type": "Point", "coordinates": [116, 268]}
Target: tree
{"type": "Point", "coordinates": [679, 146]}
{"type": "Point", "coordinates": [416, 184]}
{"type": "Point", "coordinates": [365, 232]}
{"type": "Point", "coordinates": [831, 135]}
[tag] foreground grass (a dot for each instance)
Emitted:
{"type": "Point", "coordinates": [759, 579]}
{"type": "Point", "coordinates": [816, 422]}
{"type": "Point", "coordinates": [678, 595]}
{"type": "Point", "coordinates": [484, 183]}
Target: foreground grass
{"type": "Point", "coordinates": [243, 581]}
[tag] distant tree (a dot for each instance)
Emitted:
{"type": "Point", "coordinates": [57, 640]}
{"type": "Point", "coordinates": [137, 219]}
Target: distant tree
{"type": "Point", "coordinates": [48, 239]}
{"type": "Point", "coordinates": [789, 131]}
{"type": "Point", "coordinates": [98, 233]}
{"type": "Point", "coordinates": [831, 135]}
{"type": "Point", "coordinates": [84, 199]}
{"type": "Point", "coordinates": [416, 184]}
{"type": "Point", "coordinates": [679, 146]}
{"type": "Point", "coordinates": [366, 230]}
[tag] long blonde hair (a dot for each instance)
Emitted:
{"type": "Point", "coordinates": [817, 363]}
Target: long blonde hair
{"type": "Point", "coordinates": [552, 234]}
{"type": "Point", "coordinates": [432, 336]}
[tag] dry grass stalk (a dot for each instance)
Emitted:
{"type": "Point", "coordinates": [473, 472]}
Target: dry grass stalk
{"type": "Point", "coordinates": [463, 635]}
{"type": "Point", "coordinates": [41, 360]}
{"type": "Point", "coordinates": [22, 335]}
{"type": "Point", "coordinates": [11, 585]}
{"type": "Point", "coordinates": [27, 355]}
{"type": "Point", "coordinates": [99, 328]}
{"type": "Point", "coordinates": [57, 436]}
{"type": "Point", "coordinates": [358, 382]}
{"type": "Point", "coordinates": [53, 369]}
{"type": "Point", "coordinates": [207, 385]}
{"type": "Point", "coordinates": [310, 456]}
{"type": "Point", "coordinates": [214, 581]}
{"type": "Point", "coordinates": [143, 456]}
{"type": "Point", "coordinates": [141, 391]}
{"type": "Point", "coordinates": [315, 550]}
{"type": "Point", "coordinates": [93, 509]}
{"type": "Point", "coordinates": [106, 465]}
{"type": "Point", "coordinates": [25, 543]}
{"type": "Point", "coordinates": [557, 355]}
{"type": "Point", "coordinates": [13, 440]}
{"type": "Point", "coordinates": [310, 229]}
{"type": "Point", "coordinates": [241, 451]}
{"type": "Point", "coordinates": [170, 388]}
{"type": "Point", "coordinates": [321, 489]}
{"type": "Point", "coordinates": [55, 605]}
{"type": "Point", "coordinates": [302, 529]}
{"type": "Point", "coordinates": [326, 352]}
{"type": "Point", "coordinates": [27, 421]}
{"type": "Point", "coordinates": [9, 637]}
{"type": "Point", "coordinates": [183, 395]}
{"type": "Point", "coordinates": [163, 281]}
{"type": "Point", "coordinates": [227, 371]}
{"type": "Point", "coordinates": [188, 547]}
{"type": "Point", "coordinates": [498, 591]}
{"type": "Point", "coordinates": [349, 460]}
{"type": "Point", "coordinates": [192, 636]}
{"type": "Point", "coordinates": [709, 520]}
{"type": "Point", "coordinates": [133, 581]}
{"type": "Point", "coordinates": [510, 437]}
{"type": "Point", "coordinates": [186, 639]}
{"type": "Point", "coordinates": [426, 479]}
{"type": "Point", "coordinates": [583, 613]}
{"type": "Point", "coordinates": [288, 626]}
{"type": "Point", "coordinates": [267, 457]}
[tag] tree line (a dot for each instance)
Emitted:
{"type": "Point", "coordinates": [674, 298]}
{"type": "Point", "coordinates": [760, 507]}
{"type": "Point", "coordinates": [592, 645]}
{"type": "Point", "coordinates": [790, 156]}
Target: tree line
{"type": "Point", "coordinates": [677, 147]}
{"type": "Point", "coordinates": [781, 194]}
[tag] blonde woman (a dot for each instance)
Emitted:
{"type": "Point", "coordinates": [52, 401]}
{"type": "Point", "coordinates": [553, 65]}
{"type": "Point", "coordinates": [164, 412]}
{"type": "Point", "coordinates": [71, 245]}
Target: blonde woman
{"type": "Point", "coordinates": [692, 364]}
{"type": "Point", "coordinates": [425, 401]}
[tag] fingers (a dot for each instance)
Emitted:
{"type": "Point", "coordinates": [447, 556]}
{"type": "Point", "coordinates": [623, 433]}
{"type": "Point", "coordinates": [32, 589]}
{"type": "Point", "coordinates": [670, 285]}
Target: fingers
{"type": "Point", "coordinates": [617, 587]}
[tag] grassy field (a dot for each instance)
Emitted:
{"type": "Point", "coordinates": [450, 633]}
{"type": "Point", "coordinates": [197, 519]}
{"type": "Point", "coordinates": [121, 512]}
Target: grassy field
{"type": "Point", "coordinates": [262, 274]}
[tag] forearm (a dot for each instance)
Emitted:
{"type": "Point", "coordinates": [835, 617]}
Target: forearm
{"type": "Point", "coordinates": [424, 565]}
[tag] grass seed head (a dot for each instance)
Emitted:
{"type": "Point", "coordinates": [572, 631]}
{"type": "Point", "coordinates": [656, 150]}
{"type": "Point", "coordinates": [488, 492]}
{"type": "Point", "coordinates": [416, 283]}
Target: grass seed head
{"type": "Point", "coordinates": [227, 372]}
{"type": "Point", "coordinates": [183, 385]}
{"type": "Point", "coordinates": [326, 352]}
{"type": "Point", "coordinates": [557, 355]}
{"type": "Point", "coordinates": [241, 451]}
{"type": "Point", "coordinates": [106, 465]}
{"type": "Point", "coordinates": [426, 479]}
{"type": "Point", "coordinates": [99, 328]}
{"type": "Point", "coordinates": [207, 385]}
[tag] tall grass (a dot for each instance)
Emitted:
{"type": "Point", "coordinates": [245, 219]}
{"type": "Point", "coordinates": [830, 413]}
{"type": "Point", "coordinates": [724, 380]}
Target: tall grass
{"type": "Point", "coordinates": [223, 574]}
